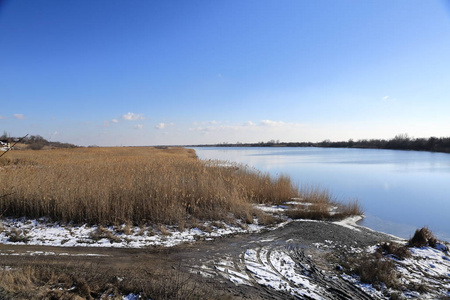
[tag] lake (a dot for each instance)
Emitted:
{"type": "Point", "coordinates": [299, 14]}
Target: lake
{"type": "Point", "coordinates": [399, 191]}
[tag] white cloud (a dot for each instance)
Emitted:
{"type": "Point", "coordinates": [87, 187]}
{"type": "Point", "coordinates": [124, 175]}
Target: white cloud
{"type": "Point", "coordinates": [2, 117]}
{"type": "Point", "coordinates": [108, 123]}
{"type": "Point", "coordinates": [388, 98]}
{"type": "Point", "coordinates": [139, 126]}
{"type": "Point", "coordinates": [19, 116]}
{"type": "Point", "coordinates": [132, 116]}
{"type": "Point", "coordinates": [272, 123]}
{"type": "Point", "coordinates": [163, 125]}
{"type": "Point", "coordinates": [160, 126]}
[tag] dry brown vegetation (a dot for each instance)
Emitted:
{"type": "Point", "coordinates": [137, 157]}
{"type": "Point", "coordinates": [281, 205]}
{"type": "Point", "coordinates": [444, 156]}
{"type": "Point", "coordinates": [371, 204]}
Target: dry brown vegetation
{"type": "Point", "coordinates": [145, 185]}
{"type": "Point", "coordinates": [136, 185]}
{"type": "Point", "coordinates": [378, 268]}
{"type": "Point", "coordinates": [320, 204]}
{"type": "Point", "coordinates": [76, 280]}
{"type": "Point", "coordinates": [423, 237]}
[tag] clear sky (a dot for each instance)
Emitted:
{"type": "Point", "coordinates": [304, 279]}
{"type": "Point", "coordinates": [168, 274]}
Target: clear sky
{"type": "Point", "coordinates": [110, 72]}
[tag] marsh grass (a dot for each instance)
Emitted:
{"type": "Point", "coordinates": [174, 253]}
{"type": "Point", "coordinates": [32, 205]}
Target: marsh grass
{"type": "Point", "coordinates": [320, 204]}
{"type": "Point", "coordinates": [145, 185]}
{"type": "Point", "coordinates": [140, 185]}
{"type": "Point", "coordinates": [75, 280]}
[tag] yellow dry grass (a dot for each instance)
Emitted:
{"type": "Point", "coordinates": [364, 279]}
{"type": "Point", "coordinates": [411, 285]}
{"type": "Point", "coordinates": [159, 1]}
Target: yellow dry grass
{"type": "Point", "coordinates": [132, 184]}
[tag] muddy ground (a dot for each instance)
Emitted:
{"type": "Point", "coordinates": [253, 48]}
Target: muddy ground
{"type": "Point", "coordinates": [217, 263]}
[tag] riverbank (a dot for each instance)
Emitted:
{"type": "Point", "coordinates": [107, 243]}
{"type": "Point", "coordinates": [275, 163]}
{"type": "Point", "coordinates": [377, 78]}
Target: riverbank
{"type": "Point", "coordinates": [303, 259]}
{"type": "Point", "coordinates": [399, 191]}
{"type": "Point", "coordinates": [399, 142]}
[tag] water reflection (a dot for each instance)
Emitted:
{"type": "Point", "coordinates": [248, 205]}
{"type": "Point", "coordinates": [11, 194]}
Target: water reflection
{"type": "Point", "coordinates": [399, 190]}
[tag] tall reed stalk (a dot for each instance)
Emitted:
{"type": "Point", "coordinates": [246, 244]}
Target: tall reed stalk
{"type": "Point", "coordinates": [138, 185]}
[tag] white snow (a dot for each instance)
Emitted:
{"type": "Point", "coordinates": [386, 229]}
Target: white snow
{"type": "Point", "coordinates": [40, 232]}
{"type": "Point", "coordinates": [428, 266]}
{"type": "Point", "coordinates": [350, 222]}
{"type": "Point", "coordinates": [277, 270]}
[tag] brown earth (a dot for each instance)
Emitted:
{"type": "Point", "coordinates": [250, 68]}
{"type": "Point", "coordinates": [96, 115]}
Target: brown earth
{"type": "Point", "coordinates": [297, 239]}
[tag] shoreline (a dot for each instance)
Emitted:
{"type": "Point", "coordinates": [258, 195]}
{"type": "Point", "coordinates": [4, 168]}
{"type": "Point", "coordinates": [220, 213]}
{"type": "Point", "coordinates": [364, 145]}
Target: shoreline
{"type": "Point", "coordinates": [300, 256]}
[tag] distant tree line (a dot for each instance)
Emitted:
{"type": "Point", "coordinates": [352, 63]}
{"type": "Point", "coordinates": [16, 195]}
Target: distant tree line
{"type": "Point", "coordinates": [35, 142]}
{"type": "Point", "coordinates": [399, 142]}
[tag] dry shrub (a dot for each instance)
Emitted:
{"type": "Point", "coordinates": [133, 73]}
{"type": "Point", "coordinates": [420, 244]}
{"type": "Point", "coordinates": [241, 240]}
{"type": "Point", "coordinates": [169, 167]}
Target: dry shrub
{"type": "Point", "coordinates": [423, 237]}
{"type": "Point", "coordinates": [374, 268]}
{"type": "Point", "coordinates": [344, 210]}
{"type": "Point", "coordinates": [319, 204]}
{"type": "Point", "coordinates": [397, 251]}
{"type": "Point", "coordinates": [265, 219]}
{"type": "Point", "coordinates": [139, 185]}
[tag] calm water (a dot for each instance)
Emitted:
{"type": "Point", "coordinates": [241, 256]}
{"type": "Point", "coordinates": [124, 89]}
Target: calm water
{"type": "Point", "coordinates": [399, 191]}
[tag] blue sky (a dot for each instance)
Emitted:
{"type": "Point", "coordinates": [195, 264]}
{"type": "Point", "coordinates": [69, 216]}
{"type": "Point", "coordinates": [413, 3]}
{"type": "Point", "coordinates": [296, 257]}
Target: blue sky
{"type": "Point", "coordinates": [110, 72]}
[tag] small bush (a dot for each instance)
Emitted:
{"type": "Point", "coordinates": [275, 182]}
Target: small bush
{"type": "Point", "coordinates": [423, 237]}
{"type": "Point", "coordinates": [376, 269]}
{"type": "Point", "coordinates": [397, 251]}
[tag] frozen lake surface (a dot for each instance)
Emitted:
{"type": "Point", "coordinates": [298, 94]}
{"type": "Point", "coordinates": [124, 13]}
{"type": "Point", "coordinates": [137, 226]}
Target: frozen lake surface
{"type": "Point", "coordinates": [399, 191]}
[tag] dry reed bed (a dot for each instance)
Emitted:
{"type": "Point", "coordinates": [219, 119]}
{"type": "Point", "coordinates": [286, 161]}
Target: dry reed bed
{"type": "Point", "coordinates": [137, 185]}
{"type": "Point", "coordinates": [77, 279]}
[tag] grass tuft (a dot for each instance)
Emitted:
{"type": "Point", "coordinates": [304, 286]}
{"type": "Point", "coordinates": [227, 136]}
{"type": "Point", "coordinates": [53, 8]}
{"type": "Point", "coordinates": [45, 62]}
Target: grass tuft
{"type": "Point", "coordinates": [376, 269]}
{"type": "Point", "coordinates": [423, 237]}
{"type": "Point", "coordinates": [319, 204]}
{"type": "Point", "coordinates": [400, 252]}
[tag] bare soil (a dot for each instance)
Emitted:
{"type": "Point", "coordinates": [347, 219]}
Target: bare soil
{"type": "Point", "coordinates": [299, 240]}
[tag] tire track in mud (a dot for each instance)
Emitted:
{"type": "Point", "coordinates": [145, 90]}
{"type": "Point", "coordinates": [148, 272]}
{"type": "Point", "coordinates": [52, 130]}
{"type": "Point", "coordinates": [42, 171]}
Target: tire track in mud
{"type": "Point", "coordinates": [286, 272]}
{"type": "Point", "coordinates": [276, 264]}
{"type": "Point", "coordinates": [290, 262]}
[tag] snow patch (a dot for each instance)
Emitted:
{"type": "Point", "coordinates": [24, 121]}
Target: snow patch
{"type": "Point", "coordinates": [40, 232]}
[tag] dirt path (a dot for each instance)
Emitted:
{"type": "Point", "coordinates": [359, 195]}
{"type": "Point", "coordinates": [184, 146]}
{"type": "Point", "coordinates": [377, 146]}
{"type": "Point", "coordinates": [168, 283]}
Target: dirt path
{"type": "Point", "coordinates": [293, 262]}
